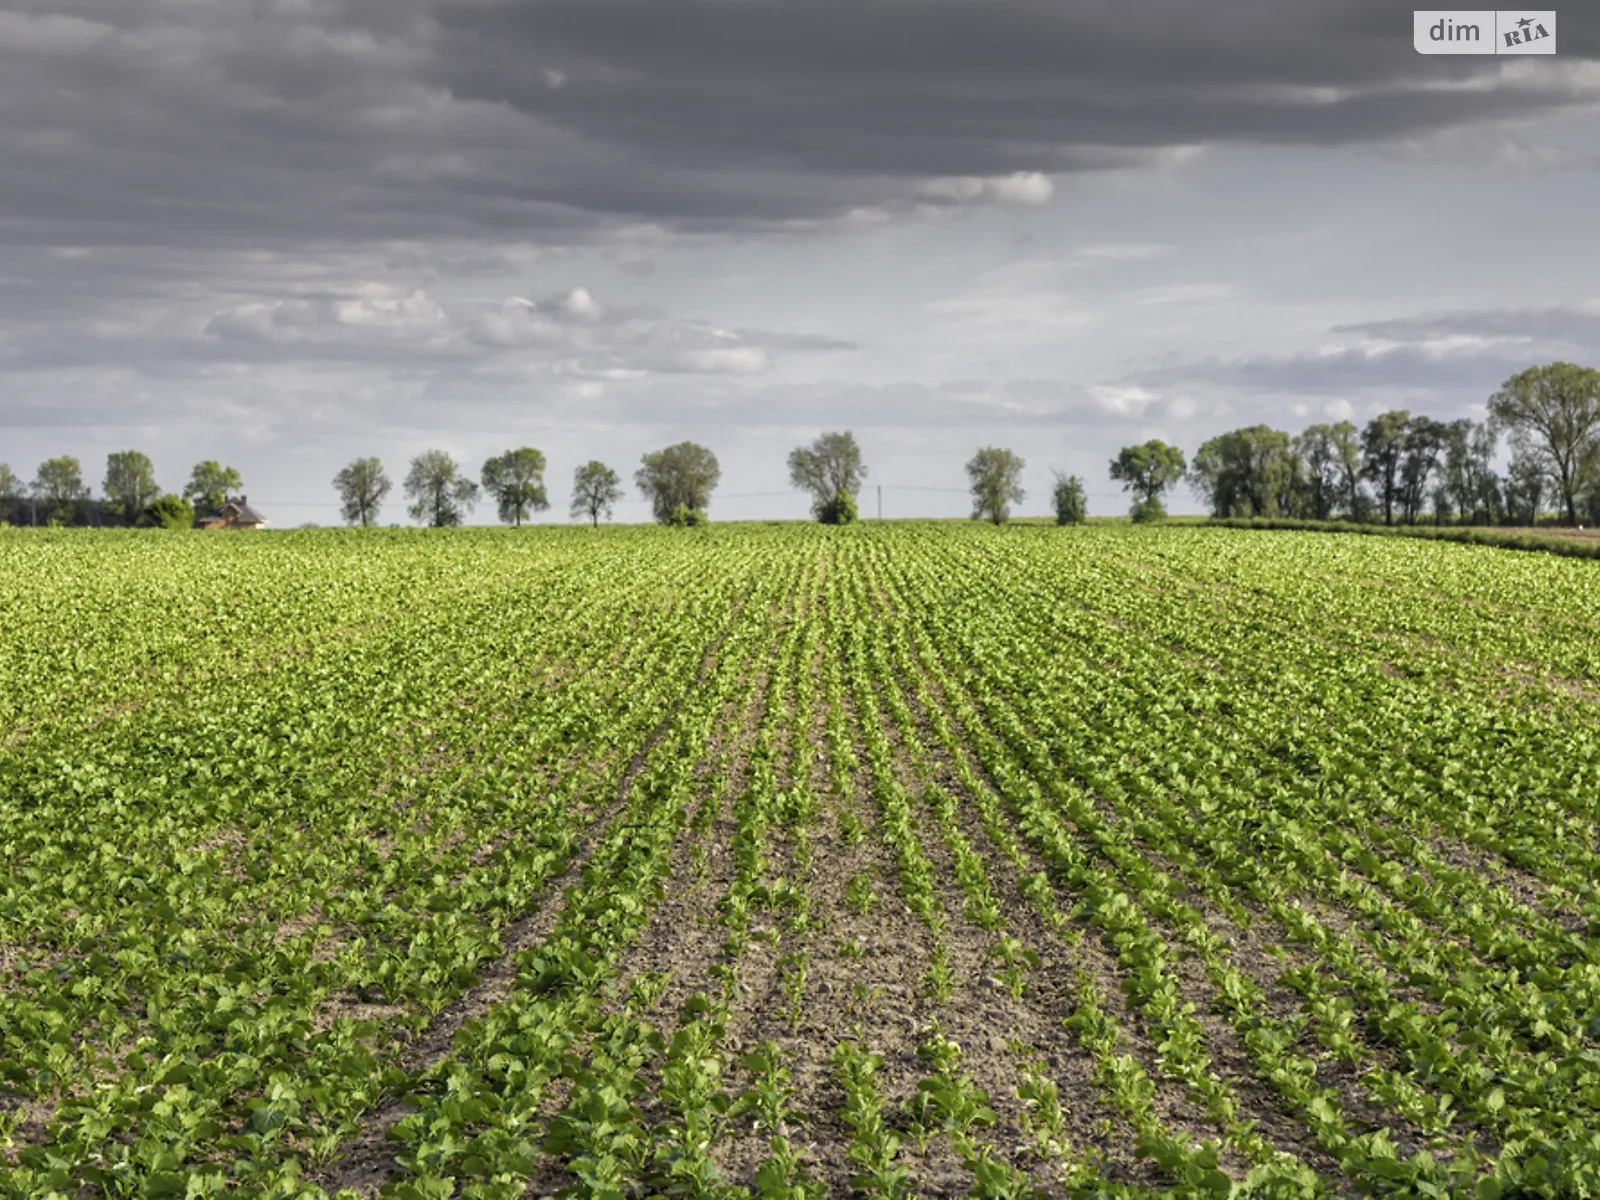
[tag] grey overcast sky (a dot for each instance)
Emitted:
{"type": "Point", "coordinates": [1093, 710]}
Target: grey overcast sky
{"type": "Point", "coordinates": [285, 233]}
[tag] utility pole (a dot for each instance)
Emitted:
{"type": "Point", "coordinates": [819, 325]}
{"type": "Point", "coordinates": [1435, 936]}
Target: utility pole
{"type": "Point", "coordinates": [880, 502]}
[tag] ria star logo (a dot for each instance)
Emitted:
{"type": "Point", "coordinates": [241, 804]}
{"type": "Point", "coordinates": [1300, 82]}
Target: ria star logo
{"type": "Point", "coordinates": [1525, 22]}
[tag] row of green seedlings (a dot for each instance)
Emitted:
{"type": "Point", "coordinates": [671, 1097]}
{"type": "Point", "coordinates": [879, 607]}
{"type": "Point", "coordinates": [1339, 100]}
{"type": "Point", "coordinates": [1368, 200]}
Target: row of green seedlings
{"type": "Point", "coordinates": [256, 1079]}
{"type": "Point", "coordinates": [698, 1110]}
{"type": "Point", "coordinates": [1096, 1029]}
{"type": "Point", "coordinates": [1503, 1088]}
{"type": "Point", "coordinates": [1232, 988]}
{"type": "Point", "coordinates": [1445, 788]}
{"type": "Point", "coordinates": [675, 1151]}
{"type": "Point", "coordinates": [946, 1101]}
{"type": "Point", "coordinates": [1010, 956]}
{"type": "Point", "coordinates": [1374, 1153]}
{"type": "Point", "coordinates": [1131, 1092]}
{"type": "Point", "coordinates": [1450, 780]}
{"type": "Point", "coordinates": [1459, 785]}
{"type": "Point", "coordinates": [1535, 814]}
{"type": "Point", "coordinates": [1142, 953]}
{"type": "Point", "coordinates": [760, 886]}
{"type": "Point", "coordinates": [478, 1114]}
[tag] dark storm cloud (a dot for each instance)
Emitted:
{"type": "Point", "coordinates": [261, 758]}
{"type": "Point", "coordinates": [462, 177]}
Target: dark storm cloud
{"type": "Point", "coordinates": [219, 124]}
{"type": "Point", "coordinates": [921, 88]}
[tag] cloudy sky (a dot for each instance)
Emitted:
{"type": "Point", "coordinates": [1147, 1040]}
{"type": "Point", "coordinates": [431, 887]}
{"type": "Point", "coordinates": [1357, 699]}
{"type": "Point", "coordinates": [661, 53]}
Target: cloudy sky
{"type": "Point", "coordinates": [285, 233]}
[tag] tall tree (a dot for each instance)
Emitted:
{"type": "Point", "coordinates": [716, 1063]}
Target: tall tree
{"type": "Point", "coordinates": [1554, 411]}
{"type": "Point", "coordinates": [11, 489]}
{"type": "Point", "coordinates": [831, 470]}
{"type": "Point", "coordinates": [361, 486]}
{"type": "Point", "coordinates": [995, 476]}
{"type": "Point", "coordinates": [1425, 443]}
{"type": "Point", "coordinates": [1383, 448]}
{"type": "Point", "coordinates": [1526, 480]}
{"type": "Point", "coordinates": [680, 476]}
{"type": "Point", "coordinates": [130, 482]}
{"type": "Point", "coordinates": [516, 481]}
{"type": "Point", "coordinates": [60, 481]}
{"type": "Point", "coordinates": [1318, 451]}
{"type": "Point", "coordinates": [209, 485]}
{"type": "Point", "coordinates": [438, 490]}
{"type": "Point", "coordinates": [1147, 470]}
{"type": "Point", "coordinates": [1346, 444]}
{"type": "Point", "coordinates": [1071, 504]}
{"type": "Point", "coordinates": [595, 491]}
{"type": "Point", "coordinates": [1247, 472]}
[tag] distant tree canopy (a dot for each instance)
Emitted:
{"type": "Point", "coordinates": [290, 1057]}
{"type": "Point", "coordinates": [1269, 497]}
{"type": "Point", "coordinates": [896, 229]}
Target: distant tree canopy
{"type": "Point", "coordinates": [361, 486]}
{"type": "Point", "coordinates": [1071, 504]}
{"type": "Point", "coordinates": [209, 485]}
{"type": "Point", "coordinates": [516, 481]}
{"type": "Point", "coordinates": [1331, 455]}
{"type": "Point", "coordinates": [438, 491]}
{"type": "Point", "coordinates": [10, 485]}
{"type": "Point", "coordinates": [995, 478]}
{"type": "Point", "coordinates": [1245, 473]}
{"type": "Point", "coordinates": [595, 491]}
{"type": "Point", "coordinates": [60, 481]}
{"type": "Point", "coordinates": [1147, 470]}
{"type": "Point", "coordinates": [1553, 413]}
{"type": "Point", "coordinates": [130, 483]}
{"type": "Point", "coordinates": [1383, 449]}
{"type": "Point", "coordinates": [685, 474]}
{"type": "Point", "coordinates": [1416, 465]}
{"type": "Point", "coordinates": [830, 468]}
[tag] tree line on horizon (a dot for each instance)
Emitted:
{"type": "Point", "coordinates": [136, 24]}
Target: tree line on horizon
{"type": "Point", "coordinates": [1417, 467]}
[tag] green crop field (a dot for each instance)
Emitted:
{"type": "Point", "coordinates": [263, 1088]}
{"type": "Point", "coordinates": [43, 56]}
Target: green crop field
{"type": "Point", "coordinates": [789, 861]}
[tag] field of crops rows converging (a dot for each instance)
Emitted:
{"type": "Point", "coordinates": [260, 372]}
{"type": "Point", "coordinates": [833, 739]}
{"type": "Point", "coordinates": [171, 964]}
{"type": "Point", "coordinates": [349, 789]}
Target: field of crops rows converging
{"type": "Point", "coordinates": [789, 861]}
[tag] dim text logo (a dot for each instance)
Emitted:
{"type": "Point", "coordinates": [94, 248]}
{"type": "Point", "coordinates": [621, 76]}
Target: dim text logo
{"type": "Point", "coordinates": [1484, 31]}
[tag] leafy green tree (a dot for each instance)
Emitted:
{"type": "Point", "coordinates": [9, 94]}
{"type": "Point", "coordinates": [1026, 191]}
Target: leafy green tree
{"type": "Point", "coordinates": [1554, 413]}
{"type": "Point", "coordinates": [516, 481]}
{"type": "Point", "coordinates": [10, 490]}
{"type": "Point", "coordinates": [437, 489]}
{"type": "Point", "coordinates": [59, 483]}
{"type": "Point", "coordinates": [130, 482]}
{"type": "Point", "coordinates": [1319, 450]}
{"type": "Point", "coordinates": [1527, 479]}
{"type": "Point", "coordinates": [167, 512]}
{"type": "Point", "coordinates": [1425, 445]}
{"type": "Point", "coordinates": [1070, 500]}
{"type": "Point", "coordinates": [830, 468]}
{"type": "Point", "coordinates": [1147, 470]}
{"type": "Point", "coordinates": [362, 486]}
{"type": "Point", "coordinates": [1383, 450]}
{"type": "Point", "coordinates": [209, 485]}
{"type": "Point", "coordinates": [596, 489]}
{"type": "Point", "coordinates": [1249, 472]}
{"type": "Point", "coordinates": [685, 474]}
{"type": "Point", "coordinates": [995, 477]}
{"type": "Point", "coordinates": [1345, 442]}
{"type": "Point", "coordinates": [1466, 470]}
